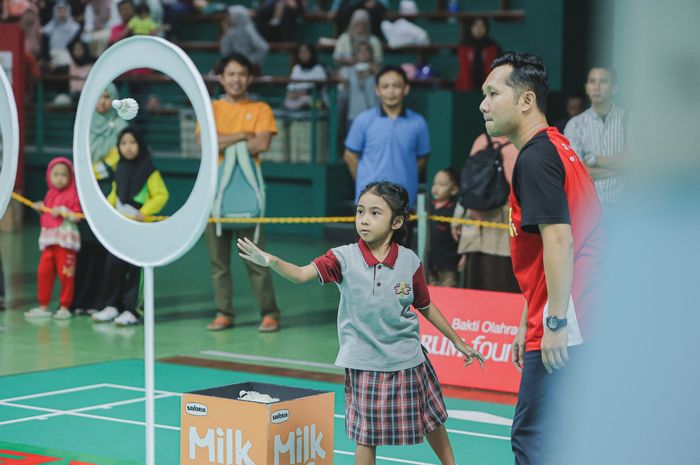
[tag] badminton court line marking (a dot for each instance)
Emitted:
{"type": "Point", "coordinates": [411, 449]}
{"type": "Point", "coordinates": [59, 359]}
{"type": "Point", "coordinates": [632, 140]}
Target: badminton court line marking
{"type": "Point", "coordinates": [260, 358]}
{"type": "Point", "coordinates": [79, 412]}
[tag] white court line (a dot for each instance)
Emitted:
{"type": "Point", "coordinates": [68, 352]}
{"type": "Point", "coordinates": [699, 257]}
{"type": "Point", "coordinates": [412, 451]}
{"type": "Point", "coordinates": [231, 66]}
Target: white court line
{"type": "Point", "coordinates": [260, 358]}
{"type": "Point", "coordinates": [78, 412]}
{"type": "Point", "coordinates": [54, 393]}
{"type": "Point", "coordinates": [140, 389]}
{"type": "Point", "coordinates": [459, 431]}
{"type": "Point", "coordinates": [74, 412]}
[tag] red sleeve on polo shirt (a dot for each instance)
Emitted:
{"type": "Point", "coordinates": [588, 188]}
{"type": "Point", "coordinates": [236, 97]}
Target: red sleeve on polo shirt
{"type": "Point", "coordinates": [328, 268]}
{"type": "Point", "coordinates": [421, 295]}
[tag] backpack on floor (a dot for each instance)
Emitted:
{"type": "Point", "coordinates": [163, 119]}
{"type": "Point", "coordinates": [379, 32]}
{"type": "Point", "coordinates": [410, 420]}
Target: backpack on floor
{"type": "Point", "coordinates": [483, 184]}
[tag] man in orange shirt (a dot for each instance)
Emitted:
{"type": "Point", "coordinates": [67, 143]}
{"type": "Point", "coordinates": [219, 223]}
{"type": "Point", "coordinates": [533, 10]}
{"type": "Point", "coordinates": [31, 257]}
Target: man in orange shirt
{"type": "Point", "coordinates": [240, 119]}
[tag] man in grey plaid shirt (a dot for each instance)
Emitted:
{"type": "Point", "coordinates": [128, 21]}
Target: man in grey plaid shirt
{"type": "Point", "coordinates": [599, 136]}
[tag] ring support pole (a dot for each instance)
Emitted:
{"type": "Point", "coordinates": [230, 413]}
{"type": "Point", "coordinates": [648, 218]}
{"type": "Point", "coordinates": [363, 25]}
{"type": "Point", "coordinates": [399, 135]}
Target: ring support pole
{"type": "Point", "coordinates": [149, 363]}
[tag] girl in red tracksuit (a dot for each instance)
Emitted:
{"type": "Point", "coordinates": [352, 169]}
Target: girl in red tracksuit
{"type": "Point", "coordinates": [59, 240]}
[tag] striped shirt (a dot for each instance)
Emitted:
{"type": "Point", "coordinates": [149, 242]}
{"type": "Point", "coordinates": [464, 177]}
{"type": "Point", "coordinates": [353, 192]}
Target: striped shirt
{"type": "Point", "coordinates": [592, 135]}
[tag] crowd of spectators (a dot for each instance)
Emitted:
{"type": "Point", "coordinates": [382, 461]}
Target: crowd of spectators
{"type": "Point", "coordinates": [383, 139]}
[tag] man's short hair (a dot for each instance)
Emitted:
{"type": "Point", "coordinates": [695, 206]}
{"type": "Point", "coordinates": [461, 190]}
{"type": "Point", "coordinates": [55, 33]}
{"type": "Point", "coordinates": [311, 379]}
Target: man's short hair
{"type": "Point", "coordinates": [392, 69]}
{"type": "Point", "coordinates": [125, 2]}
{"type": "Point", "coordinates": [607, 67]}
{"type": "Point", "coordinates": [529, 73]}
{"type": "Point", "coordinates": [236, 57]}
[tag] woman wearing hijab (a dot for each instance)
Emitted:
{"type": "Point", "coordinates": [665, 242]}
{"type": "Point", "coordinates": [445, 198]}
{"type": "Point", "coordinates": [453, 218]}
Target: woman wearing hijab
{"type": "Point", "coordinates": [242, 37]}
{"type": "Point", "coordinates": [138, 191]}
{"type": "Point", "coordinates": [359, 30]}
{"type": "Point", "coordinates": [343, 10]}
{"type": "Point", "coordinates": [104, 128]}
{"type": "Point", "coordinates": [60, 31]}
{"type": "Point", "coordinates": [89, 273]}
{"type": "Point", "coordinates": [80, 65]}
{"type": "Point", "coordinates": [307, 68]}
{"type": "Point", "coordinates": [476, 56]}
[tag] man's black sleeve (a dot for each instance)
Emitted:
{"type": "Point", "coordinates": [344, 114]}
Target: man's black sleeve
{"type": "Point", "coordinates": [538, 183]}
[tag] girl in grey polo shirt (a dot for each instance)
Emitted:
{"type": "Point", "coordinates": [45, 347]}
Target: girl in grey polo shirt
{"type": "Point", "coordinates": [392, 395]}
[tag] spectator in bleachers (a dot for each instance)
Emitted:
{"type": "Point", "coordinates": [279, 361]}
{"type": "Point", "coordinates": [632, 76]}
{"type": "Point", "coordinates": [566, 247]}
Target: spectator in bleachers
{"type": "Point", "coordinates": [80, 65]}
{"type": "Point", "coordinates": [358, 30]}
{"type": "Point", "coordinates": [29, 22]}
{"type": "Point", "coordinates": [14, 9]}
{"type": "Point", "coordinates": [119, 31]}
{"type": "Point", "coordinates": [155, 8]}
{"type": "Point", "coordinates": [100, 17]}
{"type": "Point", "coordinates": [307, 67]}
{"type": "Point", "coordinates": [485, 252]}
{"type": "Point", "coordinates": [45, 11]}
{"type": "Point", "coordinates": [343, 11]}
{"type": "Point", "coordinates": [276, 19]}
{"type": "Point", "coordinates": [388, 142]}
{"type": "Point", "coordinates": [60, 31]}
{"type": "Point", "coordinates": [142, 23]}
{"type": "Point", "coordinates": [599, 136]}
{"type": "Point", "coordinates": [174, 14]}
{"type": "Point", "coordinates": [360, 81]}
{"type": "Point", "coordinates": [242, 37]}
{"type": "Point", "coordinates": [575, 105]}
{"type": "Point", "coordinates": [476, 55]}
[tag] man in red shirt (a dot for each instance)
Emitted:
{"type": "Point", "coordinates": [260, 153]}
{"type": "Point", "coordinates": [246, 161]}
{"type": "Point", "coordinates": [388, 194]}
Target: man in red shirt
{"type": "Point", "coordinates": [555, 246]}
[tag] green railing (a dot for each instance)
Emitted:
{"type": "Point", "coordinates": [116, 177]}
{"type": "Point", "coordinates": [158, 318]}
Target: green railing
{"type": "Point", "coordinates": [159, 120]}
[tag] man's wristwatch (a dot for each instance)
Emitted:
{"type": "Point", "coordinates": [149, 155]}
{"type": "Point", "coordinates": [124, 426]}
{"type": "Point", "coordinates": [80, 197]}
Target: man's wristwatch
{"type": "Point", "coordinates": [554, 323]}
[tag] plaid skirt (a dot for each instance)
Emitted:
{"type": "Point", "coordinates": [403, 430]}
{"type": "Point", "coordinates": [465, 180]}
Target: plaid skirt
{"type": "Point", "coordinates": [393, 408]}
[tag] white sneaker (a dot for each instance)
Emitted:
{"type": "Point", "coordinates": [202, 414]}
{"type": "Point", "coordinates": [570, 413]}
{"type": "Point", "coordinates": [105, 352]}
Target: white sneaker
{"type": "Point", "coordinates": [126, 319]}
{"type": "Point", "coordinates": [37, 312]}
{"type": "Point", "coordinates": [105, 315]}
{"type": "Point", "coordinates": [62, 314]}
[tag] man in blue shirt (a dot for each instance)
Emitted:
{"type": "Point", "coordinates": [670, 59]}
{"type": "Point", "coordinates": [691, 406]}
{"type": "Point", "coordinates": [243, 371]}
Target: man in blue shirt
{"type": "Point", "coordinates": [388, 142]}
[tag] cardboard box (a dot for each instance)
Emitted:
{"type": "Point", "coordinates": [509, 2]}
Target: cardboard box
{"type": "Point", "coordinates": [217, 428]}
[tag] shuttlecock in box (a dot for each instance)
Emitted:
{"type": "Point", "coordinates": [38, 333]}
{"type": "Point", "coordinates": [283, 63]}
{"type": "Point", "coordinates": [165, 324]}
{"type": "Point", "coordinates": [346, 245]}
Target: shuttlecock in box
{"type": "Point", "coordinates": [126, 108]}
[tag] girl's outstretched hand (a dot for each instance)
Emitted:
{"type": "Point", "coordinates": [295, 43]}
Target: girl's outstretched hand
{"type": "Point", "coordinates": [251, 252]}
{"type": "Point", "coordinates": [470, 354]}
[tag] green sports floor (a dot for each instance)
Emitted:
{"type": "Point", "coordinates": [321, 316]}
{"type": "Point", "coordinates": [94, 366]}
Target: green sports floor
{"type": "Point", "coordinates": [73, 390]}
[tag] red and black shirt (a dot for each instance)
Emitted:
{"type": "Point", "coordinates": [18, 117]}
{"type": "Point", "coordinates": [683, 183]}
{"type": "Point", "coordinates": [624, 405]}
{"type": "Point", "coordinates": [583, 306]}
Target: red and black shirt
{"type": "Point", "coordinates": [552, 186]}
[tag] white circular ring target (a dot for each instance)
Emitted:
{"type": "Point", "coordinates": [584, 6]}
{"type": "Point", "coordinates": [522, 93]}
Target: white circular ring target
{"type": "Point", "coordinates": [146, 244]}
{"type": "Point", "coordinates": [9, 128]}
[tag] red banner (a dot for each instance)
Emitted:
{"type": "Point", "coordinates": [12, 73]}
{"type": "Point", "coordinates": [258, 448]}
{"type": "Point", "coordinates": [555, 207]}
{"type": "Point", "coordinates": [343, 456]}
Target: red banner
{"type": "Point", "coordinates": [485, 320]}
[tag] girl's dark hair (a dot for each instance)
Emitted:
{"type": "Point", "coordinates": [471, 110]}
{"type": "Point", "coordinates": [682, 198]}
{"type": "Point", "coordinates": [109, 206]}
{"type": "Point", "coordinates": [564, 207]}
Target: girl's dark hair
{"type": "Point", "coordinates": [452, 174]}
{"type": "Point", "coordinates": [397, 198]}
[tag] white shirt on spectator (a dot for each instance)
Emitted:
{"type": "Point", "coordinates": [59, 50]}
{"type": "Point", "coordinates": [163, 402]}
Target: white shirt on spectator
{"type": "Point", "coordinates": [592, 135]}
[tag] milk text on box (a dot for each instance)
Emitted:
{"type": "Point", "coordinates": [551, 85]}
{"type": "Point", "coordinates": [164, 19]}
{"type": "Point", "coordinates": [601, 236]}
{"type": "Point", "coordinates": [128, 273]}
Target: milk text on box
{"type": "Point", "coordinates": [303, 446]}
{"type": "Point", "coordinates": [219, 443]}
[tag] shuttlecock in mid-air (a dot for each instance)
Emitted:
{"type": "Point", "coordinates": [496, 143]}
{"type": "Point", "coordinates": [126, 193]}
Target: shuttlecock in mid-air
{"type": "Point", "coordinates": [126, 108]}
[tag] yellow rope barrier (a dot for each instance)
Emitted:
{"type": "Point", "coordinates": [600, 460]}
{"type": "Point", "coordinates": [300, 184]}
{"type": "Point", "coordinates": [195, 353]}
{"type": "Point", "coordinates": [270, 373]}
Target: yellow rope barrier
{"type": "Point", "coordinates": [294, 220]}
